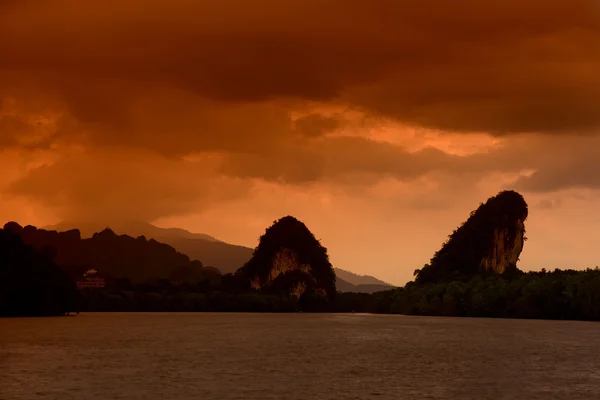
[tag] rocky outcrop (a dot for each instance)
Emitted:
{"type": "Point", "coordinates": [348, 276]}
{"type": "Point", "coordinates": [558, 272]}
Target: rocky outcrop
{"type": "Point", "coordinates": [288, 259]}
{"type": "Point", "coordinates": [490, 241]}
{"type": "Point", "coordinates": [506, 249]}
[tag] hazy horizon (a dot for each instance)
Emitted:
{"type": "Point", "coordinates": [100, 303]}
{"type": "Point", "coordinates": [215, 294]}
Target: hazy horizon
{"type": "Point", "coordinates": [251, 243]}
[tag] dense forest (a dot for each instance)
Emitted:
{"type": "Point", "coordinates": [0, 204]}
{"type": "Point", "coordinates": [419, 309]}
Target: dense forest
{"type": "Point", "coordinates": [539, 295]}
{"type": "Point", "coordinates": [117, 256]}
{"type": "Point", "coordinates": [30, 283]}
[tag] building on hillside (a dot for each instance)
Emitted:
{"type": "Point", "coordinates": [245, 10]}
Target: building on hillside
{"type": "Point", "coordinates": [91, 280]}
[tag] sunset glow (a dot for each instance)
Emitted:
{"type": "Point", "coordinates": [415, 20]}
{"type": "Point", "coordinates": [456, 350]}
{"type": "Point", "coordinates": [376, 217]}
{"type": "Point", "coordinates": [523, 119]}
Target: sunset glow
{"type": "Point", "coordinates": [380, 125]}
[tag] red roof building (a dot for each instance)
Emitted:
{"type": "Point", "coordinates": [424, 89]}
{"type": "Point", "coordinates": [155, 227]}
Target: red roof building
{"type": "Point", "coordinates": [91, 280]}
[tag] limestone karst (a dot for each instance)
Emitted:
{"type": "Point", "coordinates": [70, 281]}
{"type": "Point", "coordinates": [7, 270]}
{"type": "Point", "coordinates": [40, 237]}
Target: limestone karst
{"type": "Point", "coordinates": [490, 241]}
{"type": "Point", "coordinates": [289, 259]}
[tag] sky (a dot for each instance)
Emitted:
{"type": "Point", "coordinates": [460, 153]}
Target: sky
{"type": "Point", "coordinates": [379, 124]}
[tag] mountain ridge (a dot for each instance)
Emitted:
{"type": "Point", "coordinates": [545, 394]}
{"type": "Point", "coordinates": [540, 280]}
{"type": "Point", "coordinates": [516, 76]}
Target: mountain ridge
{"type": "Point", "coordinates": [358, 279]}
{"type": "Point", "coordinates": [132, 228]}
{"type": "Point", "coordinates": [118, 256]}
{"type": "Point", "coordinates": [212, 252]}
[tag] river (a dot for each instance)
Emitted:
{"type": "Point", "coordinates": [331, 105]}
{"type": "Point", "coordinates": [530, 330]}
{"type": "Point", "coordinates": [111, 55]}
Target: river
{"type": "Point", "coordinates": [181, 356]}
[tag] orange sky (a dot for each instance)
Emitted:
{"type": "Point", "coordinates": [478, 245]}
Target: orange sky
{"type": "Point", "coordinates": [380, 124]}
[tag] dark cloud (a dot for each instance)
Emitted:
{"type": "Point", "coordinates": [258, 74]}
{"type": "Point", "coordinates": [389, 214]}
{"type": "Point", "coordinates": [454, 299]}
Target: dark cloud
{"type": "Point", "coordinates": [24, 130]}
{"type": "Point", "coordinates": [346, 159]}
{"type": "Point", "coordinates": [563, 163]}
{"type": "Point", "coordinates": [316, 125]}
{"type": "Point", "coordinates": [465, 65]}
{"type": "Point", "coordinates": [111, 184]}
{"type": "Point", "coordinates": [225, 81]}
{"type": "Point", "coordinates": [577, 174]}
{"type": "Point", "coordinates": [10, 128]}
{"type": "Point", "coordinates": [125, 185]}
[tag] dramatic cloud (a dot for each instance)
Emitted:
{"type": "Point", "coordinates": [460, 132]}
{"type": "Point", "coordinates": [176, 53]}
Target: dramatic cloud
{"type": "Point", "coordinates": [125, 186]}
{"type": "Point", "coordinates": [157, 109]}
{"type": "Point", "coordinates": [578, 174]}
{"type": "Point", "coordinates": [316, 125]}
{"type": "Point", "coordinates": [465, 65]}
{"type": "Point", "coordinates": [346, 159]}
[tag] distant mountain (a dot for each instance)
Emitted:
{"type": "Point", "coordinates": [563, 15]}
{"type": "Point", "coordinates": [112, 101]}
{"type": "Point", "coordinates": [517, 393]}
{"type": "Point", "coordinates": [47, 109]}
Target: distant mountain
{"type": "Point", "coordinates": [344, 286]}
{"type": "Point", "coordinates": [210, 251]}
{"type": "Point", "coordinates": [357, 280]}
{"type": "Point", "coordinates": [224, 256]}
{"type": "Point", "coordinates": [117, 256]}
{"type": "Point", "coordinates": [131, 228]}
{"type": "Point", "coordinates": [197, 246]}
{"type": "Point", "coordinates": [228, 258]}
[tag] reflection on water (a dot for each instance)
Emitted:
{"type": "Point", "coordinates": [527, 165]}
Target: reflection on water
{"type": "Point", "coordinates": [296, 356]}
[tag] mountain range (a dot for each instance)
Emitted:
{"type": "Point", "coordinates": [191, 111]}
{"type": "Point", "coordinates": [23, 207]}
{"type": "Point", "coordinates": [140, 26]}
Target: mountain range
{"type": "Point", "coordinates": [210, 251]}
{"type": "Point", "coordinates": [117, 256]}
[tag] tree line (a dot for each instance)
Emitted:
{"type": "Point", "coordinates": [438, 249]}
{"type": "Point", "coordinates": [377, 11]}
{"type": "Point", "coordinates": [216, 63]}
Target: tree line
{"type": "Point", "coordinates": [32, 284]}
{"type": "Point", "coordinates": [560, 294]}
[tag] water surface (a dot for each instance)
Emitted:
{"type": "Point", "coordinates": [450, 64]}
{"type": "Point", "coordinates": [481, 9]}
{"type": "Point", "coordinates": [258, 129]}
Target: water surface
{"type": "Point", "coordinates": [296, 356]}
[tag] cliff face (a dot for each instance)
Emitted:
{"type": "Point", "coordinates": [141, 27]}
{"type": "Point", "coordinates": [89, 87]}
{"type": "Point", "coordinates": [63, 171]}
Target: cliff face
{"type": "Point", "coordinates": [289, 259]}
{"type": "Point", "coordinates": [490, 241]}
{"type": "Point", "coordinates": [506, 249]}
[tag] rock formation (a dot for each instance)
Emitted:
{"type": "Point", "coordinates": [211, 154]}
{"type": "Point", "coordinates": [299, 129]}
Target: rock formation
{"type": "Point", "coordinates": [289, 259]}
{"type": "Point", "coordinates": [490, 241]}
{"type": "Point", "coordinates": [506, 248]}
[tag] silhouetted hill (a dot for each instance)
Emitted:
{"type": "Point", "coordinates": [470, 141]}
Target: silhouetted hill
{"type": "Point", "coordinates": [356, 279]}
{"type": "Point", "coordinates": [289, 259]}
{"type": "Point", "coordinates": [229, 257]}
{"type": "Point", "coordinates": [30, 283]}
{"type": "Point", "coordinates": [117, 256]}
{"type": "Point", "coordinates": [197, 246]}
{"type": "Point", "coordinates": [490, 241]}
{"type": "Point", "coordinates": [346, 287]}
{"type": "Point", "coordinates": [226, 257]}
{"type": "Point", "coordinates": [131, 228]}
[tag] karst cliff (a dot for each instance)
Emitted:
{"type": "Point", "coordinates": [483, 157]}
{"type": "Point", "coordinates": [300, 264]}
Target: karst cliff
{"type": "Point", "coordinates": [490, 241]}
{"type": "Point", "coordinates": [289, 259]}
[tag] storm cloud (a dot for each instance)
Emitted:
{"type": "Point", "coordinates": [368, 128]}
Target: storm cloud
{"type": "Point", "coordinates": [178, 105]}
